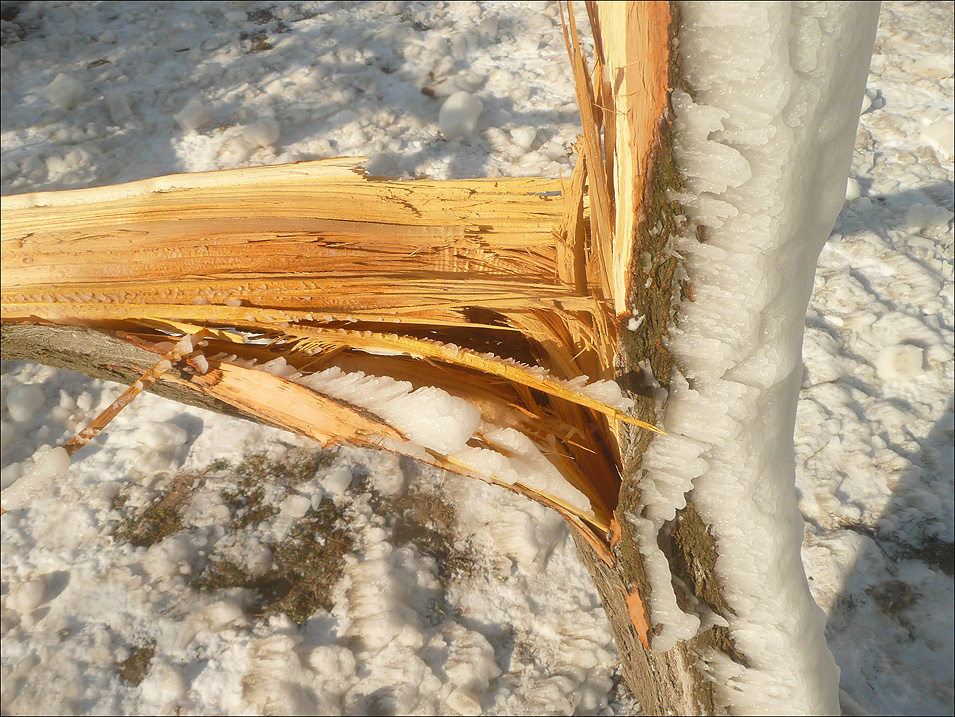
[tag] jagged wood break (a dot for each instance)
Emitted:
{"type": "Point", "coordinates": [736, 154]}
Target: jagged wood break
{"type": "Point", "coordinates": [471, 286]}
{"type": "Point", "coordinates": [501, 292]}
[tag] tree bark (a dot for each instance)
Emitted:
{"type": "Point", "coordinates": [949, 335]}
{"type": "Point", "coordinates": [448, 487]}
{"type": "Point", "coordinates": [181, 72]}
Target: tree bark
{"type": "Point", "coordinates": [100, 354]}
{"type": "Point", "coordinates": [637, 68]}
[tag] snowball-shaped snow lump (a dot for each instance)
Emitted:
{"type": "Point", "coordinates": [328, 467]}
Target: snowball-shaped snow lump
{"type": "Point", "coordinates": [853, 190]}
{"type": "Point", "coordinates": [193, 116]}
{"type": "Point", "coordinates": [524, 137]}
{"type": "Point", "coordinates": [902, 361]}
{"type": "Point", "coordinates": [65, 92]}
{"type": "Point", "coordinates": [459, 115]}
{"type": "Point", "coordinates": [939, 135]}
{"type": "Point", "coordinates": [262, 133]}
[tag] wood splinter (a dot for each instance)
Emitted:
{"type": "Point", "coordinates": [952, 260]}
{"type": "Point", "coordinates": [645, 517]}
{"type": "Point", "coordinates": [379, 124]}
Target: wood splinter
{"type": "Point", "coordinates": [186, 345]}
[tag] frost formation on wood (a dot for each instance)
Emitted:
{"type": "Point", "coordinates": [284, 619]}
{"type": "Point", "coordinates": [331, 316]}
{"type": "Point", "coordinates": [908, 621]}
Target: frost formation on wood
{"type": "Point", "coordinates": [764, 144]}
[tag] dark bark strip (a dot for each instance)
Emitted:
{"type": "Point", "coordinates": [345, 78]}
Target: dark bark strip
{"type": "Point", "coordinates": [99, 354]}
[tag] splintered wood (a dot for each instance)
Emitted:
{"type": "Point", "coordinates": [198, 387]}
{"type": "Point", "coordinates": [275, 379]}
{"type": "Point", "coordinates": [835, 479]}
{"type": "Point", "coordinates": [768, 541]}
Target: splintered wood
{"type": "Point", "coordinates": [503, 292]}
{"type": "Point", "coordinates": [174, 355]}
{"type": "Point", "coordinates": [484, 286]}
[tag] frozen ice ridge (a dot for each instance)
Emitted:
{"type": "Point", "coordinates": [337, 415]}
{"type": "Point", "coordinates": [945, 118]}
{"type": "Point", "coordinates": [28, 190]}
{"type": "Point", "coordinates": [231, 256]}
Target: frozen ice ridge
{"type": "Point", "coordinates": [765, 146]}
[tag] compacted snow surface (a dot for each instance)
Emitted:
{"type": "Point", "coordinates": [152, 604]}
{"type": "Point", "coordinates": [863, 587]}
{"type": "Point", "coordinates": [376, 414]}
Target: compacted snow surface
{"type": "Point", "coordinates": [158, 575]}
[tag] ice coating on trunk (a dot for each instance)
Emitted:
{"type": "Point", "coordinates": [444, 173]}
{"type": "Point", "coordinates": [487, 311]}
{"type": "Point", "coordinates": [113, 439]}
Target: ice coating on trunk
{"type": "Point", "coordinates": [764, 146]}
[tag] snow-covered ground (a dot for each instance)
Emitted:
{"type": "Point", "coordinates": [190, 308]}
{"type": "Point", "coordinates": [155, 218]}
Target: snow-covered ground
{"type": "Point", "coordinates": [874, 429]}
{"type": "Point", "coordinates": [195, 563]}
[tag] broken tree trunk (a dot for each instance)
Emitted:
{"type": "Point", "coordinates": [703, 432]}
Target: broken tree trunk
{"type": "Point", "coordinates": [341, 272]}
{"type": "Point", "coordinates": [637, 66]}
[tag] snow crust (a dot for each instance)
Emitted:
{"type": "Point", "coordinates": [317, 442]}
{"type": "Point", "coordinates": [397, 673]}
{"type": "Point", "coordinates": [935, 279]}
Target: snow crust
{"type": "Point", "coordinates": [520, 462]}
{"type": "Point", "coordinates": [607, 392]}
{"type": "Point", "coordinates": [765, 146]}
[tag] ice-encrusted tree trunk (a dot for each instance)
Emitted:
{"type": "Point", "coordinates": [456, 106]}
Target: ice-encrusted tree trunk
{"type": "Point", "coordinates": [756, 150]}
{"type": "Point", "coordinates": [717, 139]}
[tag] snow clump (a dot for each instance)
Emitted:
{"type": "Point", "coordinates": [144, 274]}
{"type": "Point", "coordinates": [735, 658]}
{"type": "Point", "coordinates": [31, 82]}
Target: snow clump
{"type": "Point", "coordinates": [193, 116]}
{"type": "Point", "coordinates": [65, 92]}
{"type": "Point", "coordinates": [459, 115]}
{"type": "Point", "coordinates": [263, 133]}
{"type": "Point", "coordinates": [50, 464]}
